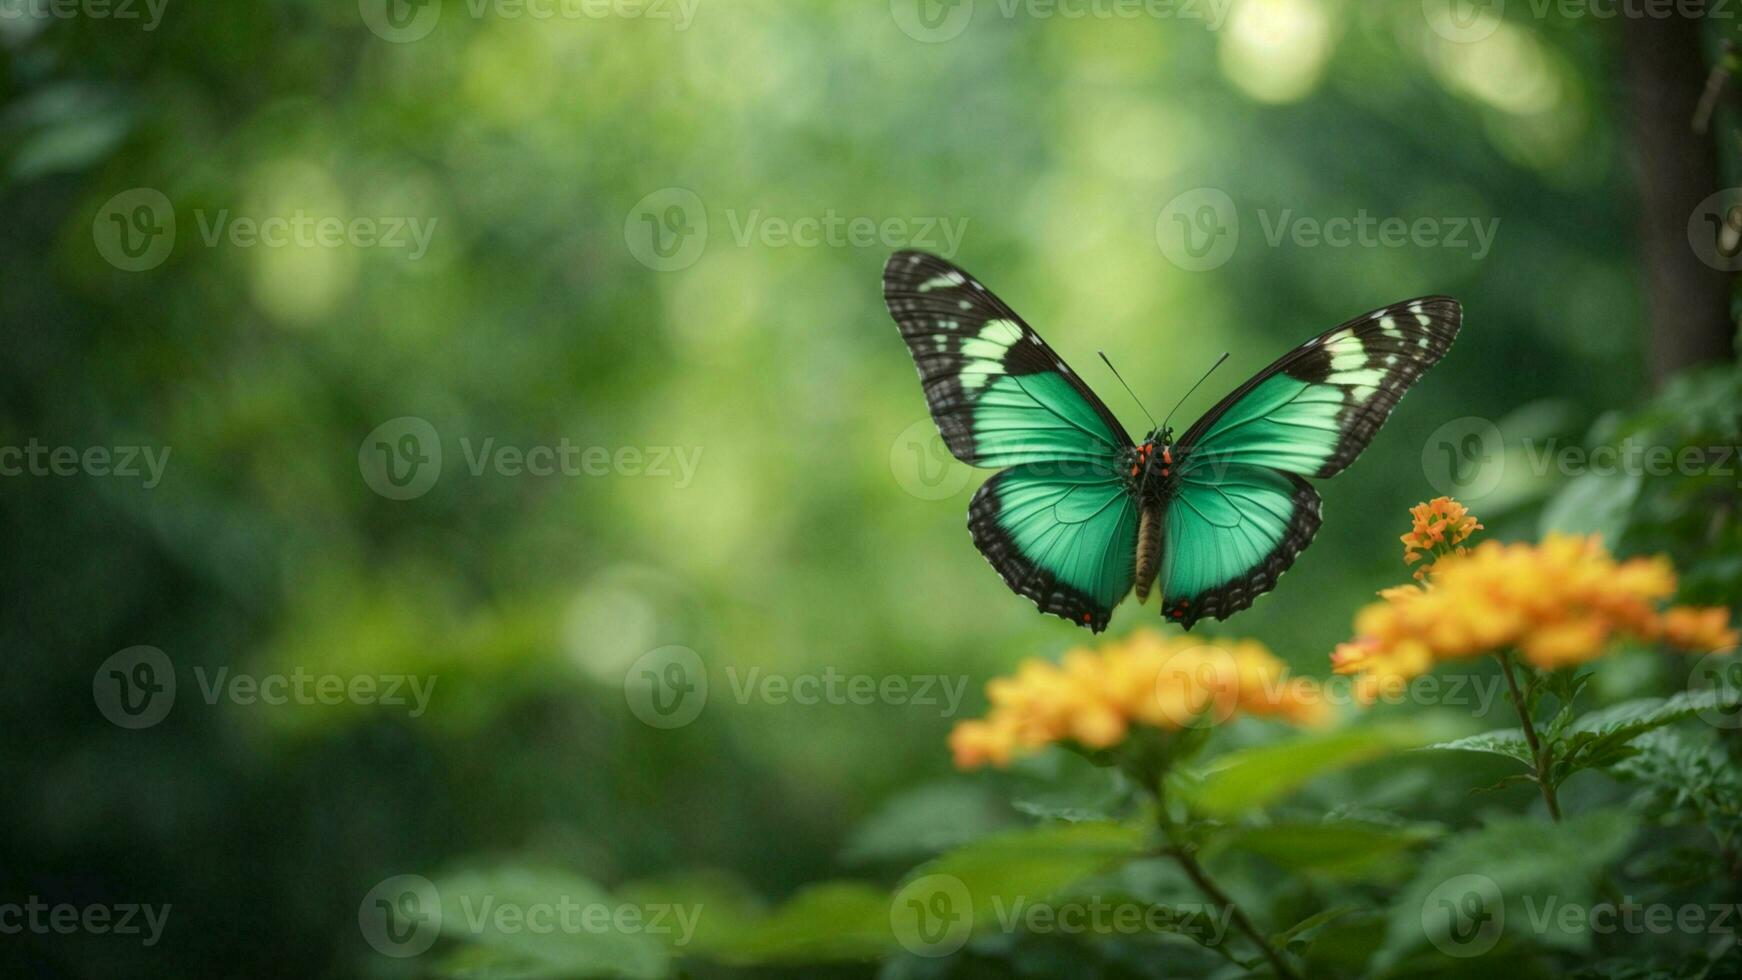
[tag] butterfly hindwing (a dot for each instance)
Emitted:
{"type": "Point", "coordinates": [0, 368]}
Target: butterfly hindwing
{"type": "Point", "coordinates": [1241, 511]}
{"type": "Point", "coordinates": [998, 393]}
{"type": "Point", "coordinates": [1318, 406]}
{"type": "Point", "coordinates": [1061, 534]}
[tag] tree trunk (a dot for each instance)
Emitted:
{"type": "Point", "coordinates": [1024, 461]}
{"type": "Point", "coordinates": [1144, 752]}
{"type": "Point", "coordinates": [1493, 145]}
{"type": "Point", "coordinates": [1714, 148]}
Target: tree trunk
{"type": "Point", "coordinates": [1676, 169]}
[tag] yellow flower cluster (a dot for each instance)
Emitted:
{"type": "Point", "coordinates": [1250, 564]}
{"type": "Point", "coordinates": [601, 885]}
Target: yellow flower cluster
{"type": "Point", "coordinates": [1558, 603]}
{"type": "Point", "coordinates": [1095, 697]}
{"type": "Point", "coordinates": [1439, 527]}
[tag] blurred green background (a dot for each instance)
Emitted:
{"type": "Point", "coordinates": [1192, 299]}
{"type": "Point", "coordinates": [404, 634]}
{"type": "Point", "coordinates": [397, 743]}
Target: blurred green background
{"type": "Point", "coordinates": [820, 528]}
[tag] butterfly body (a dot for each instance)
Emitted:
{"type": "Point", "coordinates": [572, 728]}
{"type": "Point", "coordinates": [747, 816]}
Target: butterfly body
{"type": "Point", "coordinates": [1151, 482]}
{"type": "Point", "coordinates": [1080, 514]}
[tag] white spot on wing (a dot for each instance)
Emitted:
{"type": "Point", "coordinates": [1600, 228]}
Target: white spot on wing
{"type": "Point", "coordinates": [951, 278]}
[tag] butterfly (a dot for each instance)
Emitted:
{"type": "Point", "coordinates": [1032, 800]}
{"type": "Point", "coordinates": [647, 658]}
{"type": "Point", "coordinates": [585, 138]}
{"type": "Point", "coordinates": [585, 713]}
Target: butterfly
{"type": "Point", "coordinates": [1079, 515]}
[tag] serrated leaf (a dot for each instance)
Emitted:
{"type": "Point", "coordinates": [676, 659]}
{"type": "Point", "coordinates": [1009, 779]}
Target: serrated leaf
{"type": "Point", "coordinates": [1508, 742]}
{"type": "Point", "coordinates": [1631, 718]}
{"type": "Point", "coordinates": [1601, 738]}
{"type": "Point", "coordinates": [1685, 771]}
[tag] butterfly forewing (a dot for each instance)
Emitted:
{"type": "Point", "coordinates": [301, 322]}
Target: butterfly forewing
{"type": "Point", "coordinates": [1318, 406]}
{"type": "Point", "coordinates": [998, 393]}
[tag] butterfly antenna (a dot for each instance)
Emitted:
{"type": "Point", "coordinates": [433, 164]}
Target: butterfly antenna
{"type": "Point", "coordinates": [1127, 387]}
{"type": "Point", "coordinates": [1188, 394]}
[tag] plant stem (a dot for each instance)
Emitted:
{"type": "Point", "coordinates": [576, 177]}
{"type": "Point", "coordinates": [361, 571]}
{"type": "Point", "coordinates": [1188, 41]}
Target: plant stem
{"type": "Point", "coordinates": [1536, 750]}
{"type": "Point", "coordinates": [1195, 871]}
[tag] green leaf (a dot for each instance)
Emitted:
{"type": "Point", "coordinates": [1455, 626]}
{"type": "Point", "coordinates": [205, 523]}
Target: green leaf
{"type": "Point", "coordinates": [1035, 863]}
{"type": "Point", "coordinates": [1630, 718]}
{"type": "Point", "coordinates": [1250, 778]}
{"type": "Point", "coordinates": [853, 921]}
{"type": "Point", "coordinates": [1687, 771]}
{"type": "Point", "coordinates": [1337, 849]}
{"type": "Point", "coordinates": [1502, 883]}
{"type": "Point", "coordinates": [1508, 742]}
{"type": "Point", "coordinates": [840, 920]}
{"type": "Point", "coordinates": [925, 821]}
{"type": "Point", "coordinates": [1593, 503]}
{"type": "Point", "coordinates": [730, 905]}
{"type": "Point", "coordinates": [538, 922]}
{"type": "Point", "coordinates": [1602, 738]}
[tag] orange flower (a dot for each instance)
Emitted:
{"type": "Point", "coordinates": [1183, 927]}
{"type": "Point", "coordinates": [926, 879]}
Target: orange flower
{"type": "Point", "coordinates": [1699, 629]}
{"type": "Point", "coordinates": [1561, 602]}
{"type": "Point", "coordinates": [1094, 698]}
{"type": "Point", "coordinates": [1440, 526]}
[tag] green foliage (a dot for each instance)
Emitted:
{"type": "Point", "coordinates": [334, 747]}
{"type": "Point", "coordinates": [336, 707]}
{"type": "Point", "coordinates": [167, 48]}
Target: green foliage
{"type": "Point", "coordinates": [1247, 778]}
{"type": "Point", "coordinates": [490, 911]}
{"type": "Point", "coordinates": [1601, 739]}
{"type": "Point", "coordinates": [1342, 849]}
{"type": "Point", "coordinates": [1530, 865]}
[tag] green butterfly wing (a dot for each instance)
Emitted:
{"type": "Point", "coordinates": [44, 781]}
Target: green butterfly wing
{"type": "Point", "coordinates": [998, 393]}
{"type": "Point", "coordinates": [1061, 536]}
{"type": "Point", "coordinates": [1241, 510]}
{"type": "Point", "coordinates": [1227, 540]}
{"type": "Point", "coordinates": [1318, 406]}
{"type": "Point", "coordinates": [1059, 525]}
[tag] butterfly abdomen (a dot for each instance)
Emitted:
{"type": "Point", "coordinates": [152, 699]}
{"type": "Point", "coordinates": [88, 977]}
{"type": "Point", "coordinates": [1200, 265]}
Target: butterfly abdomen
{"type": "Point", "coordinates": [1148, 548]}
